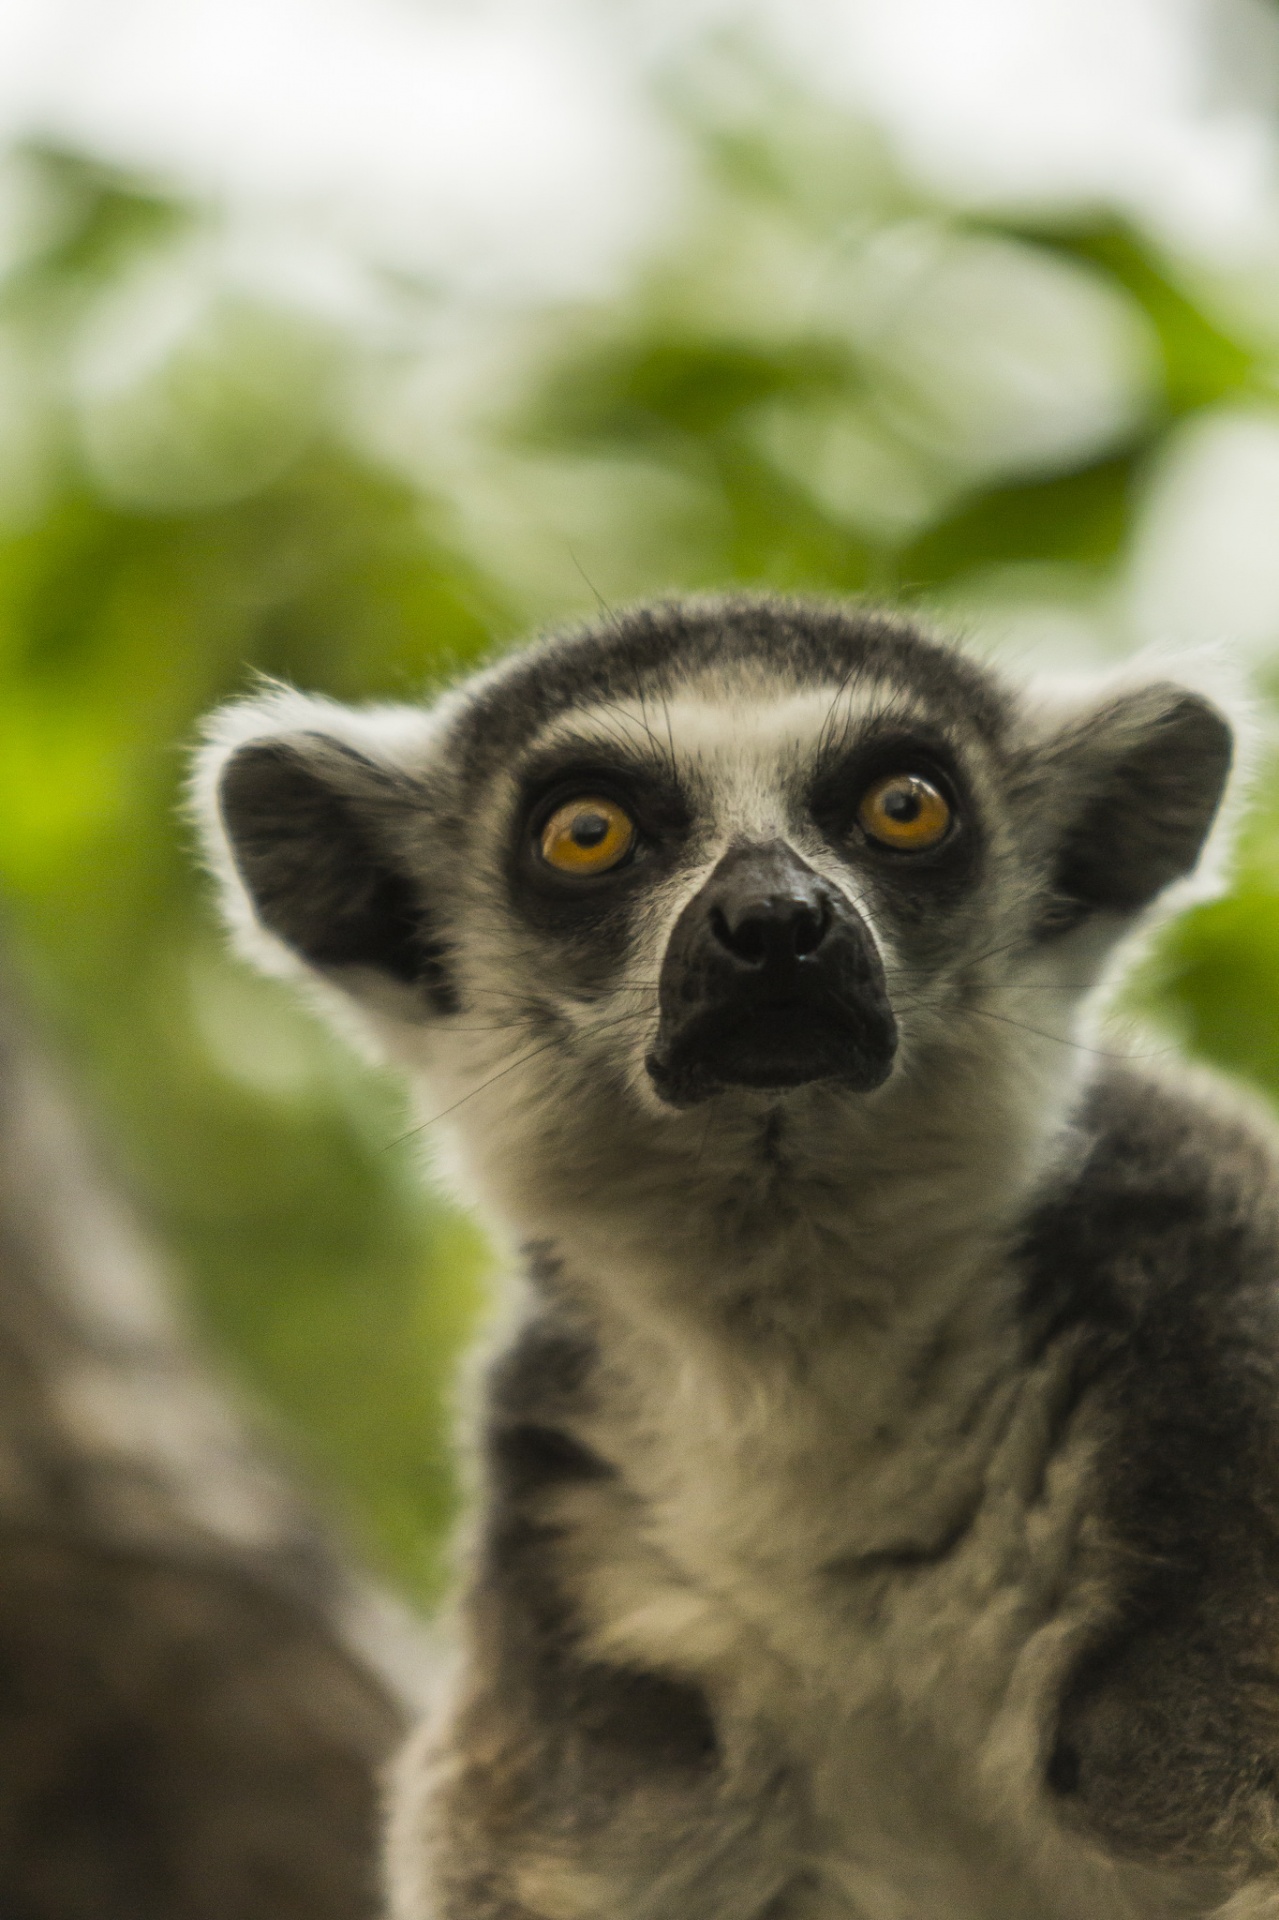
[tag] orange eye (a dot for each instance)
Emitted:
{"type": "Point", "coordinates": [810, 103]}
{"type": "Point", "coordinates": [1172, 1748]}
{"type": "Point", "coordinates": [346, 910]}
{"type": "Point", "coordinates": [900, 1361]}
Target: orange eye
{"type": "Point", "coordinates": [587, 836]}
{"type": "Point", "coordinates": [906, 811]}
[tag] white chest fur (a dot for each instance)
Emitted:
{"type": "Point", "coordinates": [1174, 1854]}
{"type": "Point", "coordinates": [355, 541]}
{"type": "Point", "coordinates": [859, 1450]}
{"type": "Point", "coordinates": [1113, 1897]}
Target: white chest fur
{"type": "Point", "coordinates": [875, 1556]}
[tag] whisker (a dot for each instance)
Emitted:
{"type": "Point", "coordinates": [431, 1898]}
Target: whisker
{"type": "Point", "coordinates": [973, 960]}
{"type": "Point", "coordinates": [670, 733]}
{"type": "Point", "coordinates": [706, 1134]}
{"type": "Point", "coordinates": [492, 1080]}
{"type": "Point", "coordinates": [825, 740]}
{"type": "Point", "coordinates": [1023, 1026]}
{"type": "Point", "coordinates": [639, 693]}
{"type": "Point", "coordinates": [600, 601]}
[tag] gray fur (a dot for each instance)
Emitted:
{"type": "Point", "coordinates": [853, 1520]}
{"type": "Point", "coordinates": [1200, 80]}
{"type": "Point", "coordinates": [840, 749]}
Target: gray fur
{"type": "Point", "coordinates": [878, 1490]}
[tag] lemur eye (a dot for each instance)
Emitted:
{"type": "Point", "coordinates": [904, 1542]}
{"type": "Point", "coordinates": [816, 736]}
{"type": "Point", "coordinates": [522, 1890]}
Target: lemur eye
{"type": "Point", "coordinates": [587, 836]}
{"type": "Point", "coordinates": [905, 811]}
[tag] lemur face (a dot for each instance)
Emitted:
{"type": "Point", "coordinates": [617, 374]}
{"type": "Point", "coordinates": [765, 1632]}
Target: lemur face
{"type": "Point", "coordinates": [747, 874]}
{"type": "Point", "coordinates": [747, 852]}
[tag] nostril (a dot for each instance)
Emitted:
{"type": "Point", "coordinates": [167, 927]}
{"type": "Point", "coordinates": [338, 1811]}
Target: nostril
{"type": "Point", "coordinates": [808, 929]}
{"type": "Point", "coordinates": [776, 930]}
{"type": "Point", "coordinates": [747, 941]}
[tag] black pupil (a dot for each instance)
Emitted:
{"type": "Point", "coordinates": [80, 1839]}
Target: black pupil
{"type": "Point", "coordinates": [903, 804]}
{"type": "Point", "coordinates": [589, 829]}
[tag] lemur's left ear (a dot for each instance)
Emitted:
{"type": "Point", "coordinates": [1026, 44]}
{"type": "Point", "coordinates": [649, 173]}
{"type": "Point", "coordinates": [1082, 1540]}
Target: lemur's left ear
{"type": "Point", "coordinates": [1138, 781]}
{"type": "Point", "coordinates": [315, 819]}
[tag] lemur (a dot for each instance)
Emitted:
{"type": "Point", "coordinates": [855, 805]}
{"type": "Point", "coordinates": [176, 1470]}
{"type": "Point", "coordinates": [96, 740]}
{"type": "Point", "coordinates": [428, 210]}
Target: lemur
{"type": "Point", "coordinates": [877, 1485]}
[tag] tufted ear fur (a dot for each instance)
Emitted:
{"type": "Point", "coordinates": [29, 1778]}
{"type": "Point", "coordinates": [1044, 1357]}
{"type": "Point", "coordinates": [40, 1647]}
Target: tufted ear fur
{"type": "Point", "coordinates": [1137, 785]}
{"type": "Point", "coordinates": [312, 816]}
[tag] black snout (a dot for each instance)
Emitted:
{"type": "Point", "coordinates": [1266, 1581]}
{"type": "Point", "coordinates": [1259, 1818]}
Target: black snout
{"type": "Point", "coordinates": [771, 979]}
{"type": "Point", "coordinates": [774, 928]}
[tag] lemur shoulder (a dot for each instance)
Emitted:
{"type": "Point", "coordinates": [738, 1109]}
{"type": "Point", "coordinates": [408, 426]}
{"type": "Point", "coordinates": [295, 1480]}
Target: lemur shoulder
{"type": "Point", "coordinates": [878, 1510]}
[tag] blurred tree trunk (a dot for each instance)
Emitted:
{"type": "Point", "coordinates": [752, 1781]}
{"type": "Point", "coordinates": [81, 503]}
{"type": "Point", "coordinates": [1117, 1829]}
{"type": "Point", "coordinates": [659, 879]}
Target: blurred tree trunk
{"type": "Point", "coordinates": [193, 1707]}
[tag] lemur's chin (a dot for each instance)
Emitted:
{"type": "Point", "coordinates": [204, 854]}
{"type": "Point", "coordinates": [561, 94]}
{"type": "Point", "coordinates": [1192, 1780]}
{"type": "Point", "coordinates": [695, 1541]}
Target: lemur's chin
{"type": "Point", "coordinates": [774, 1048]}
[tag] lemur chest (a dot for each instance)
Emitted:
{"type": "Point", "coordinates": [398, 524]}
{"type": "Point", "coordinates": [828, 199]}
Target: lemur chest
{"type": "Point", "coordinates": [837, 1514]}
{"type": "Point", "coordinates": [891, 1610]}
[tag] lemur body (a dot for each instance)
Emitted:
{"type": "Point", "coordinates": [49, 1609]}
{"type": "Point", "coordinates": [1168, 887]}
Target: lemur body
{"type": "Point", "coordinates": [879, 1504]}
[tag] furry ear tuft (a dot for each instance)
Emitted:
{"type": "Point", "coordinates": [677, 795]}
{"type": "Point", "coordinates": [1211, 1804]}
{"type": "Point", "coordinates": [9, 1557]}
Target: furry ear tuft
{"type": "Point", "coordinates": [314, 834]}
{"type": "Point", "coordinates": [1143, 778]}
{"type": "Point", "coordinates": [311, 863]}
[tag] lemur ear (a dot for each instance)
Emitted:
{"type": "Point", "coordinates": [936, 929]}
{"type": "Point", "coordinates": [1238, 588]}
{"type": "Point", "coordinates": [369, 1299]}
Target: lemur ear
{"type": "Point", "coordinates": [1139, 782]}
{"type": "Point", "coordinates": [313, 835]}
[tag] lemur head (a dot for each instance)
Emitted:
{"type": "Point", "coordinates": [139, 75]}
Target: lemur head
{"type": "Point", "coordinates": [717, 885]}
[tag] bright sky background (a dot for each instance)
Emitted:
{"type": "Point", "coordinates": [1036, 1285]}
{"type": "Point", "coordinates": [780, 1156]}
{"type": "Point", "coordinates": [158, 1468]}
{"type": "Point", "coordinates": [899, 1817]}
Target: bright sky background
{"type": "Point", "coordinates": [515, 152]}
{"type": "Point", "coordinates": [514, 145]}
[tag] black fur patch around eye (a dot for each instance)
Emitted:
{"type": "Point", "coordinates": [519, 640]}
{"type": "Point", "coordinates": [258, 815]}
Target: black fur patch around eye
{"type": "Point", "coordinates": [319, 875]}
{"type": "Point", "coordinates": [591, 918]}
{"type": "Point", "coordinates": [919, 893]}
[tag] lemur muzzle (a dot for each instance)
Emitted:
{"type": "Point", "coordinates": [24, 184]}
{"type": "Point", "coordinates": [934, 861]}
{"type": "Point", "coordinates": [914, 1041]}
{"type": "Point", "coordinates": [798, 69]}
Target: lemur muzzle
{"type": "Point", "coordinates": [771, 979]}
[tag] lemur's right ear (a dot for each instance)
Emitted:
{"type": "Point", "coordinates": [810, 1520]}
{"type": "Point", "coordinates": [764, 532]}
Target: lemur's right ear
{"type": "Point", "coordinates": [1137, 783]}
{"type": "Point", "coordinates": [312, 815]}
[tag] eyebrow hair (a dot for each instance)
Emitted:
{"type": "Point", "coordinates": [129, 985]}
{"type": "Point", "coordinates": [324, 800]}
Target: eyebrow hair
{"type": "Point", "coordinates": [605, 723]}
{"type": "Point", "coordinates": [911, 722]}
{"type": "Point", "coordinates": [649, 652]}
{"type": "Point", "coordinates": [625, 744]}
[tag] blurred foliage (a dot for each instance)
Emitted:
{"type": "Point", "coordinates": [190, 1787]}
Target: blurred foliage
{"type": "Point", "coordinates": [819, 382]}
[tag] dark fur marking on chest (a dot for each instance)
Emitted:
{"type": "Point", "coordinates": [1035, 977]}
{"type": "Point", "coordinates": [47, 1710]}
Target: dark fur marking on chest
{"type": "Point", "coordinates": [1159, 1263]}
{"type": "Point", "coordinates": [597, 1726]}
{"type": "Point", "coordinates": [908, 1556]}
{"type": "Point", "coordinates": [645, 1717]}
{"type": "Point", "coordinates": [598, 1723]}
{"type": "Point", "coordinates": [530, 1457]}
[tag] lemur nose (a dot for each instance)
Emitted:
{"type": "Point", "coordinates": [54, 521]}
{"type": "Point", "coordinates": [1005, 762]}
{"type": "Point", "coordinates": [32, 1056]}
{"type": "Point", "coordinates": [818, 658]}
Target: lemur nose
{"type": "Point", "coordinates": [771, 912]}
{"type": "Point", "coordinates": [771, 979]}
